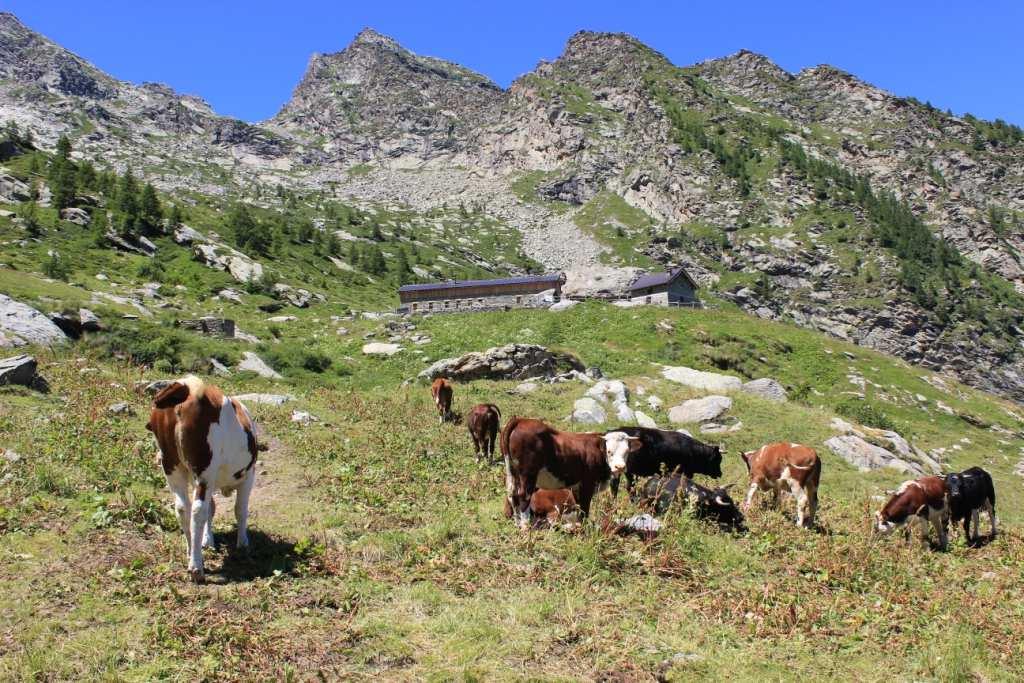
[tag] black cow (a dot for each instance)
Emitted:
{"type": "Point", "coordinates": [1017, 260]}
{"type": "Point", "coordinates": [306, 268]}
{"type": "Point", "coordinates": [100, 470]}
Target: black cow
{"type": "Point", "coordinates": [669, 452]}
{"type": "Point", "coordinates": [705, 503]}
{"type": "Point", "coordinates": [970, 491]}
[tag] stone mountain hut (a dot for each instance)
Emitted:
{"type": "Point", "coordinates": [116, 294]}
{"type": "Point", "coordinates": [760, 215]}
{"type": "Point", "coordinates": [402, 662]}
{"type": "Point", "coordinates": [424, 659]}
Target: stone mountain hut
{"type": "Point", "coordinates": [529, 291]}
{"type": "Point", "coordinates": [672, 288]}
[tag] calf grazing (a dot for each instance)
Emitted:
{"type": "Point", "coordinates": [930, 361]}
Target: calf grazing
{"type": "Point", "coordinates": [923, 500]}
{"type": "Point", "coordinates": [484, 421]}
{"type": "Point", "coordinates": [668, 452]}
{"type": "Point", "coordinates": [713, 504]}
{"type": "Point", "coordinates": [540, 456]}
{"type": "Point", "coordinates": [207, 441]}
{"type": "Point", "coordinates": [442, 392]}
{"type": "Point", "coordinates": [970, 491]}
{"type": "Point", "coordinates": [792, 466]}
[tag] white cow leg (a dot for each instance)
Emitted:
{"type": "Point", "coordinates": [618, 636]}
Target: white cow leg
{"type": "Point", "coordinates": [177, 482]}
{"type": "Point", "coordinates": [200, 516]}
{"type": "Point", "coordinates": [750, 497]}
{"type": "Point", "coordinates": [208, 539]}
{"type": "Point", "coordinates": [242, 508]}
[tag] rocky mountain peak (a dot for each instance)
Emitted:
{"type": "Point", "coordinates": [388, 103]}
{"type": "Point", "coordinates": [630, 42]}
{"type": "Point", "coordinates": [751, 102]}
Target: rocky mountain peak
{"type": "Point", "coordinates": [368, 36]}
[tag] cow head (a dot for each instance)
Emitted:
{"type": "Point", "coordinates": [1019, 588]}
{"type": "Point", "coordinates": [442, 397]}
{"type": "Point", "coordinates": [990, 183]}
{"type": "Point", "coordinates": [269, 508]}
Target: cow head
{"type": "Point", "coordinates": [617, 446]}
{"type": "Point", "coordinates": [955, 484]}
{"type": "Point", "coordinates": [171, 395]}
{"type": "Point", "coordinates": [883, 525]}
{"type": "Point", "coordinates": [725, 509]}
{"type": "Point", "coordinates": [715, 464]}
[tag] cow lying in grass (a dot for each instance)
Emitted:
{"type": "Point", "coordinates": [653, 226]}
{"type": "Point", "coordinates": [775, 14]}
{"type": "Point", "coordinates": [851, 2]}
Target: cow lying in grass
{"type": "Point", "coordinates": [550, 507]}
{"type": "Point", "coordinates": [705, 503]}
{"type": "Point", "coordinates": [207, 441]}
{"type": "Point", "coordinates": [968, 492]}
{"type": "Point", "coordinates": [786, 466]}
{"type": "Point", "coordinates": [921, 501]}
{"type": "Point", "coordinates": [668, 452]}
{"type": "Point", "coordinates": [538, 456]}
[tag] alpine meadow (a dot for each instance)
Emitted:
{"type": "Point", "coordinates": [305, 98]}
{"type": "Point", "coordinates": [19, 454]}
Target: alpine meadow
{"type": "Point", "coordinates": [732, 333]}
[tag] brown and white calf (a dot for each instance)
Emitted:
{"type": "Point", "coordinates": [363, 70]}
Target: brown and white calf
{"type": "Point", "coordinates": [484, 421]}
{"type": "Point", "coordinates": [549, 507]}
{"type": "Point", "coordinates": [442, 392]}
{"type": "Point", "coordinates": [786, 466]}
{"type": "Point", "coordinates": [207, 441]}
{"type": "Point", "coordinates": [538, 456]}
{"type": "Point", "coordinates": [922, 500]}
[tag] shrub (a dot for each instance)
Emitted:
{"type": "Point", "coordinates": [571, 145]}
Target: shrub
{"type": "Point", "coordinates": [865, 413]}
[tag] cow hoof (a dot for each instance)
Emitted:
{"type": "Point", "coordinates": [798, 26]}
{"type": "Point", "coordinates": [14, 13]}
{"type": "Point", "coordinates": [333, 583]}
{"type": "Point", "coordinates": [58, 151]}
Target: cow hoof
{"type": "Point", "coordinates": [198, 576]}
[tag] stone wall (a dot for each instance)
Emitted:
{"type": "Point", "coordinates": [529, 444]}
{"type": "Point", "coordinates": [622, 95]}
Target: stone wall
{"type": "Point", "coordinates": [210, 326]}
{"type": "Point", "coordinates": [486, 303]}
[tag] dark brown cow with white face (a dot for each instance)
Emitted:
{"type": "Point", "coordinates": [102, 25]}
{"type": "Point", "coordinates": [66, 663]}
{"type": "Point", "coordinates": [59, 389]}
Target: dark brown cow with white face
{"type": "Point", "coordinates": [484, 421]}
{"type": "Point", "coordinates": [922, 501]}
{"type": "Point", "coordinates": [790, 466]}
{"type": "Point", "coordinates": [442, 392]}
{"type": "Point", "coordinates": [538, 456]}
{"type": "Point", "coordinates": [207, 441]}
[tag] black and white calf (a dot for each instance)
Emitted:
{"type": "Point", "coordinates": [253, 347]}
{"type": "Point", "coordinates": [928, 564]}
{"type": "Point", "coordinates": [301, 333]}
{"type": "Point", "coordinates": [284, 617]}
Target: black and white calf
{"type": "Point", "coordinates": [969, 492]}
{"type": "Point", "coordinates": [713, 504]}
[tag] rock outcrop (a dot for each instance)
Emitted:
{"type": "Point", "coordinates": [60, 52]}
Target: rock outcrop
{"type": "Point", "coordinates": [513, 361]}
{"type": "Point", "coordinates": [699, 409]}
{"type": "Point", "coordinates": [21, 325]}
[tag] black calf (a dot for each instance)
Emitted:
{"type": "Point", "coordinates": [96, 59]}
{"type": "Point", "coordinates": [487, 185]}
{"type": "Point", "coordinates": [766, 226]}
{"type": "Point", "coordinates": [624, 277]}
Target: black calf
{"type": "Point", "coordinates": [705, 503]}
{"type": "Point", "coordinates": [970, 491]}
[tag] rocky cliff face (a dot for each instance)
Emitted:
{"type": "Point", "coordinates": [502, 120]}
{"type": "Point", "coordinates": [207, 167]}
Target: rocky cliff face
{"type": "Point", "coordinates": [697, 151]}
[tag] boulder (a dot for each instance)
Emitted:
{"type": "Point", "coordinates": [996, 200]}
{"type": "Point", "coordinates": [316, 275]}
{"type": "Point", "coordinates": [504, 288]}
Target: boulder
{"type": "Point", "coordinates": [121, 408]}
{"type": "Point", "coordinates": [152, 388]}
{"type": "Point", "coordinates": [299, 298]}
{"type": "Point", "coordinates": [718, 428]}
{"type": "Point", "coordinates": [21, 324]}
{"type": "Point", "coordinates": [654, 402]}
{"type": "Point", "coordinates": [304, 418]}
{"type": "Point", "coordinates": [230, 295]}
{"type": "Point", "coordinates": [89, 321]}
{"type": "Point", "coordinates": [767, 388]}
{"type": "Point", "coordinates": [867, 456]}
{"type": "Point", "coordinates": [281, 319]}
{"type": "Point", "coordinates": [13, 190]}
{"type": "Point", "coordinates": [220, 257]}
{"type": "Point", "coordinates": [588, 411]}
{"type": "Point", "coordinates": [609, 390]}
{"type": "Point", "coordinates": [218, 368]}
{"type": "Point", "coordinates": [623, 413]}
{"type": "Point", "coordinates": [381, 349]}
{"type": "Point", "coordinates": [265, 399]}
{"type": "Point", "coordinates": [513, 361]}
{"type": "Point", "coordinates": [68, 323]}
{"type": "Point", "coordinates": [135, 245]}
{"type": "Point", "coordinates": [697, 379]}
{"type": "Point", "coordinates": [699, 409]}
{"type": "Point", "coordinates": [21, 370]}
{"type": "Point", "coordinates": [644, 420]}
{"type": "Point", "coordinates": [525, 388]}
{"type": "Point", "coordinates": [563, 305]}
{"type": "Point", "coordinates": [185, 235]}
{"type": "Point", "coordinates": [252, 363]}
{"type": "Point", "coordinates": [76, 216]}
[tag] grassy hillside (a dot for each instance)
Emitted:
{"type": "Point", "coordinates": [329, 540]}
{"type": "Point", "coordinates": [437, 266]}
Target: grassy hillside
{"type": "Point", "coordinates": [380, 550]}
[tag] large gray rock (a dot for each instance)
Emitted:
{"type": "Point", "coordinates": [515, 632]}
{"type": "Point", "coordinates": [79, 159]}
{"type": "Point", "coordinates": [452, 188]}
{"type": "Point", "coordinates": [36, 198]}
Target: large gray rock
{"type": "Point", "coordinates": [609, 390]}
{"type": "Point", "coordinates": [253, 363]}
{"type": "Point", "coordinates": [299, 298]}
{"type": "Point", "coordinates": [645, 420]}
{"type": "Point", "coordinates": [867, 456]}
{"type": "Point", "coordinates": [21, 325]}
{"type": "Point", "coordinates": [221, 257]}
{"type": "Point", "coordinates": [513, 361]}
{"type": "Point", "coordinates": [264, 399]}
{"type": "Point", "coordinates": [75, 215]}
{"type": "Point", "coordinates": [381, 349]}
{"type": "Point", "coordinates": [767, 388]}
{"type": "Point", "coordinates": [13, 190]}
{"type": "Point", "coordinates": [698, 379]}
{"type": "Point", "coordinates": [699, 409]}
{"type": "Point", "coordinates": [588, 411]}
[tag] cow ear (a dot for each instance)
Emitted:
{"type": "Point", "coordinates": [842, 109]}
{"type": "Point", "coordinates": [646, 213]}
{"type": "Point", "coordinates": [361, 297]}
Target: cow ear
{"type": "Point", "coordinates": [634, 444]}
{"type": "Point", "coordinates": [171, 395]}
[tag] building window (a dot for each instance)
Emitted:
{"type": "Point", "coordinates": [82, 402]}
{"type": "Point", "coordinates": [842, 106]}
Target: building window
{"type": "Point", "coordinates": [519, 299]}
{"type": "Point", "coordinates": [647, 300]}
{"type": "Point", "coordinates": [447, 304]}
{"type": "Point", "coordinates": [480, 301]}
{"type": "Point", "coordinates": [415, 307]}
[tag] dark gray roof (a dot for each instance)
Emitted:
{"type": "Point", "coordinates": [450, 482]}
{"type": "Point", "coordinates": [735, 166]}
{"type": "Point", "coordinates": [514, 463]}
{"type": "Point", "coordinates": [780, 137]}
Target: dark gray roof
{"type": "Point", "coordinates": [550, 278]}
{"type": "Point", "coordinates": [660, 279]}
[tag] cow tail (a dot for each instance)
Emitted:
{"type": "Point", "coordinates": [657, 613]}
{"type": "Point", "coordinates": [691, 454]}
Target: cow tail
{"type": "Point", "coordinates": [503, 444]}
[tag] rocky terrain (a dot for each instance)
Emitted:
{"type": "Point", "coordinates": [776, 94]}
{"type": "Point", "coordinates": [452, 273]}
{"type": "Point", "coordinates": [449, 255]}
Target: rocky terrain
{"type": "Point", "coordinates": [610, 156]}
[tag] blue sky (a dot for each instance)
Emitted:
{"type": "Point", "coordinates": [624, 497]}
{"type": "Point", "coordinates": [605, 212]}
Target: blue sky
{"type": "Point", "coordinates": [246, 57]}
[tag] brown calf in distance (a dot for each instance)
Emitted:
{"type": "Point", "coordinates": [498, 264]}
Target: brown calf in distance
{"type": "Point", "coordinates": [484, 421]}
{"type": "Point", "coordinates": [790, 466]}
{"type": "Point", "coordinates": [922, 501]}
{"type": "Point", "coordinates": [538, 456]}
{"type": "Point", "coordinates": [442, 392]}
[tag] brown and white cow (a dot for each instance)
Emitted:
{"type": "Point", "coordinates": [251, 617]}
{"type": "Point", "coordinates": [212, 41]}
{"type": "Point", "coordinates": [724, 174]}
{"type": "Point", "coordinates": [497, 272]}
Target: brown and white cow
{"type": "Point", "coordinates": [442, 392]}
{"type": "Point", "coordinates": [538, 456]}
{"type": "Point", "coordinates": [922, 501]}
{"type": "Point", "coordinates": [207, 441]}
{"type": "Point", "coordinates": [786, 466]}
{"type": "Point", "coordinates": [484, 421]}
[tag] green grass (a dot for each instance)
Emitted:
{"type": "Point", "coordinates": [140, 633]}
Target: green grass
{"type": "Point", "coordinates": [380, 550]}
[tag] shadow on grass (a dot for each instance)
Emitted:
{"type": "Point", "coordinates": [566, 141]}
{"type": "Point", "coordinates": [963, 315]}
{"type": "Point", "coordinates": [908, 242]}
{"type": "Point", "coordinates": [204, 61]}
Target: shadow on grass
{"type": "Point", "coordinates": [265, 556]}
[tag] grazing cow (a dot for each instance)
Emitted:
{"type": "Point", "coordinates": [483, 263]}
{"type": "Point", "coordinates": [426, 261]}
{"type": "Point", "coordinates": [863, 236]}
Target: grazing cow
{"type": "Point", "coordinates": [207, 441]}
{"type": "Point", "coordinates": [540, 456]}
{"type": "Point", "coordinates": [484, 421]}
{"type": "Point", "coordinates": [714, 504]}
{"type": "Point", "coordinates": [793, 466]}
{"type": "Point", "coordinates": [923, 500]}
{"type": "Point", "coordinates": [970, 491]}
{"type": "Point", "coordinates": [671, 452]}
{"type": "Point", "coordinates": [442, 392]}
